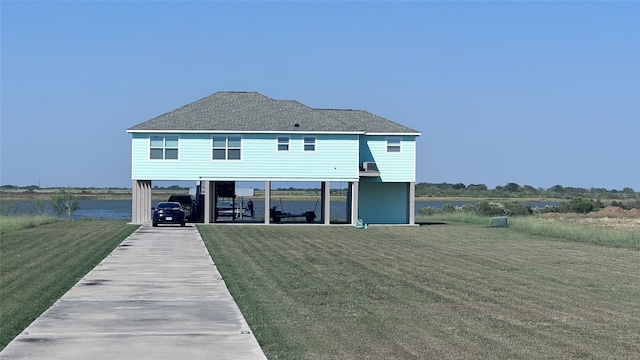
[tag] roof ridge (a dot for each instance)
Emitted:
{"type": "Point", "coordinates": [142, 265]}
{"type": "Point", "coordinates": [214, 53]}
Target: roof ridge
{"type": "Point", "coordinates": [292, 101]}
{"type": "Point", "coordinates": [253, 111]}
{"type": "Point", "coordinates": [336, 109]}
{"type": "Point", "coordinates": [236, 92]}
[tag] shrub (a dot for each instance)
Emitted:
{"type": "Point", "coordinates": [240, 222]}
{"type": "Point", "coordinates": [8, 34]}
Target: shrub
{"type": "Point", "coordinates": [579, 205]}
{"type": "Point", "coordinates": [515, 208]}
{"type": "Point", "coordinates": [467, 208]}
{"type": "Point", "coordinates": [65, 203]}
{"type": "Point", "coordinates": [627, 205]}
{"type": "Point", "coordinates": [448, 208]}
{"type": "Point", "coordinates": [490, 209]}
{"type": "Point", "coordinates": [619, 204]}
{"type": "Point", "coordinates": [38, 207]}
{"type": "Point", "coordinates": [584, 205]}
{"type": "Point", "coordinates": [427, 211]}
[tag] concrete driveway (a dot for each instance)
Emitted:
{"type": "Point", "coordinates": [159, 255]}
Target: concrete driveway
{"type": "Point", "coordinates": [156, 296]}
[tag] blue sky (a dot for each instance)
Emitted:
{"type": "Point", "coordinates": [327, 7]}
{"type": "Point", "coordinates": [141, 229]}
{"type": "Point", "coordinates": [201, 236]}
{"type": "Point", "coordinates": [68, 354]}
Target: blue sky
{"type": "Point", "coordinates": [536, 93]}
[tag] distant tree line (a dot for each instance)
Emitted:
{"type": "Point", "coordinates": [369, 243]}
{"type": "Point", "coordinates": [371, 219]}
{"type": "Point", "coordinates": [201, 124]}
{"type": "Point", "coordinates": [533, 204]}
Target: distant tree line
{"type": "Point", "coordinates": [513, 190]}
{"type": "Point", "coordinates": [510, 190]}
{"type": "Point", "coordinates": [84, 188]}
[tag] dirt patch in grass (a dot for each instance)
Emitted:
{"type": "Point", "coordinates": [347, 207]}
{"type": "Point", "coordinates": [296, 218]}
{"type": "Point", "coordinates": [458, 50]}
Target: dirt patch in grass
{"type": "Point", "coordinates": [611, 217]}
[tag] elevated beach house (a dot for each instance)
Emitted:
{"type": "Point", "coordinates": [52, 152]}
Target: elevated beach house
{"type": "Point", "coordinates": [233, 137]}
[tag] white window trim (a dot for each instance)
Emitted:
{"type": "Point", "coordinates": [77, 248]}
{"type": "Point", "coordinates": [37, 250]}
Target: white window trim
{"type": "Point", "coordinates": [392, 138]}
{"type": "Point", "coordinates": [164, 147]}
{"type": "Point", "coordinates": [315, 143]}
{"type": "Point", "coordinates": [278, 137]}
{"type": "Point", "coordinates": [226, 148]}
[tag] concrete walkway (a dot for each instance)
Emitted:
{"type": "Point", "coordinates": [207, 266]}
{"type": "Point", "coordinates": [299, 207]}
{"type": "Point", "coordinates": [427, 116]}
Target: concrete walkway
{"type": "Point", "coordinates": [157, 296]}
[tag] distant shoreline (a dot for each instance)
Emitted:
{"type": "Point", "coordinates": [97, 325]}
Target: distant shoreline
{"type": "Point", "coordinates": [162, 194]}
{"type": "Point", "coordinates": [423, 192]}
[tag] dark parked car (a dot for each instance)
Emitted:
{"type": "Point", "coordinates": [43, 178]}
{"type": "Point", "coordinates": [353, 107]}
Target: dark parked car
{"type": "Point", "coordinates": [168, 213]}
{"type": "Point", "coordinates": [188, 203]}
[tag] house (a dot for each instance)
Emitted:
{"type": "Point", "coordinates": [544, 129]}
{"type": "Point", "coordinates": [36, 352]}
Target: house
{"type": "Point", "coordinates": [230, 137]}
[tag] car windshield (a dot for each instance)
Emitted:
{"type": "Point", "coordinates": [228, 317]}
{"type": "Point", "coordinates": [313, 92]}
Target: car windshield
{"type": "Point", "coordinates": [182, 199]}
{"type": "Point", "coordinates": [165, 206]}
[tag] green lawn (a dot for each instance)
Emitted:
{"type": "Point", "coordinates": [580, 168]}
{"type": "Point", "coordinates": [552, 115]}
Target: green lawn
{"type": "Point", "coordinates": [39, 264]}
{"type": "Point", "coordinates": [441, 291]}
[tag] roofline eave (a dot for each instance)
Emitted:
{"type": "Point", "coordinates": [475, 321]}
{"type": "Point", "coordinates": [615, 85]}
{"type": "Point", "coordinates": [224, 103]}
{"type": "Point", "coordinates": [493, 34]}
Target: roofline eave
{"type": "Point", "coordinates": [394, 133]}
{"type": "Point", "coordinates": [131, 131]}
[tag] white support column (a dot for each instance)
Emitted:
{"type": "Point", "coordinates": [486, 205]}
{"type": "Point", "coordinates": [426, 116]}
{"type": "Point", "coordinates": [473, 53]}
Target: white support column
{"type": "Point", "coordinates": [412, 203]}
{"type": "Point", "coordinates": [134, 201]}
{"type": "Point", "coordinates": [140, 201]}
{"type": "Point", "coordinates": [326, 202]}
{"type": "Point", "coordinates": [322, 202]}
{"type": "Point", "coordinates": [355, 186]}
{"type": "Point", "coordinates": [135, 193]}
{"type": "Point", "coordinates": [214, 201]}
{"type": "Point", "coordinates": [348, 202]}
{"type": "Point", "coordinates": [207, 202]}
{"type": "Point", "coordinates": [147, 202]}
{"type": "Point", "coordinates": [267, 202]}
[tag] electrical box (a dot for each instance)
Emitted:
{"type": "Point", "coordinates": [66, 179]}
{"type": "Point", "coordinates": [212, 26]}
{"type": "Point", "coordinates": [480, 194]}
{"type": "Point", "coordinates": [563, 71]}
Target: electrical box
{"type": "Point", "coordinates": [499, 221]}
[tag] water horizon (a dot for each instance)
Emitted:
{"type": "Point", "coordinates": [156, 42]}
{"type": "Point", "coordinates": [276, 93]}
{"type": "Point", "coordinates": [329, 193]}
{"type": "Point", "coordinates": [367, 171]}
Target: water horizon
{"type": "Point", "coordinates": [121, 209]}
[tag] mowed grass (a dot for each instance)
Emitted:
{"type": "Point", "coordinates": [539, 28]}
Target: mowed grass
{"type": "Point", "coordinates": [445, 292]}
{"type": "Point", "coordinates": [39, 264]}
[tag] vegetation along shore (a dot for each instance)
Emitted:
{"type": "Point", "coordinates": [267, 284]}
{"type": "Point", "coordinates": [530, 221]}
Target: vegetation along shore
{"type": "Point", "coordinates": [423, 191]}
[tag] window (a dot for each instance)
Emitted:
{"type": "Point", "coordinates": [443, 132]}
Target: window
{"type": "Point", "coordinates": [163, 147]}
{"type": "Point", "coordinates": [393, 144]}
{"type": "Point", "coordinates": [227, 147]}
{"type": "Point", "coordinates": [309, 143]}
{"type": "Point", "coordinates": [283, 143]}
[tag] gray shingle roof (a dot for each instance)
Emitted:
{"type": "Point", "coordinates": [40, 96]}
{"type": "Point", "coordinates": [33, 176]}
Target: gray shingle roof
{"type": "Point", "coordinates": [251, 111]}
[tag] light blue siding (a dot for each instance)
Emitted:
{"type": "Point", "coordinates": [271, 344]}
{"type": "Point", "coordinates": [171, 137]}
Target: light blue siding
{"type": "Point", "coordinates": [393, 167]}
{"type": "Point", "coordinates": [383, 203]}
{"type": "Point", "coordinates": [334, 159]}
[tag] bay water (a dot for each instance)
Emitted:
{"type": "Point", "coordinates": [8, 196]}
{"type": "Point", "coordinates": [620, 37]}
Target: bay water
{"type": "Point", "coordinates": [121, 209]}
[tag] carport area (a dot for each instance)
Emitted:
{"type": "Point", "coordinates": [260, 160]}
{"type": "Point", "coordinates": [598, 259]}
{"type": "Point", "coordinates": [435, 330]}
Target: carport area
{"type": "Point", "coordinates": [224, 202]}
